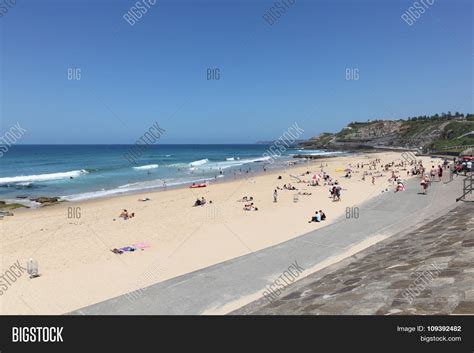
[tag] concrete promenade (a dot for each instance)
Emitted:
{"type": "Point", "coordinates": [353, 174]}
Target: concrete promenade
{"type": "Point", "coordinates": [429, 271]}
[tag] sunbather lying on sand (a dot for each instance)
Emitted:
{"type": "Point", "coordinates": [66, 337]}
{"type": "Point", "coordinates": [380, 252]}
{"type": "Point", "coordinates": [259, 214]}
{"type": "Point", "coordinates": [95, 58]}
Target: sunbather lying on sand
{"type": "Point", "coordinates": [245, 199]}
{"type": "Point", "coordinates": [289, 187]}
{"type": "Point", "coordinates": [250, 207]}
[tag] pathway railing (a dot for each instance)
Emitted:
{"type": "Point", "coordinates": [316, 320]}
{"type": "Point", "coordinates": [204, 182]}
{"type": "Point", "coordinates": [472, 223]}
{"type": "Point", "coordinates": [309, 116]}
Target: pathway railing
{"type": "Point", "coordinates": [468, 186]}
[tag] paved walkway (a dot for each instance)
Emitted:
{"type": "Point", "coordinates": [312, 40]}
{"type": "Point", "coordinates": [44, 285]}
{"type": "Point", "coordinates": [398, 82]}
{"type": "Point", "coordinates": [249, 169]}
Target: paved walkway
{"type": "Point", "coordinates": [247, 276]}
{"type": "Point", "coordinates": [428, 271]}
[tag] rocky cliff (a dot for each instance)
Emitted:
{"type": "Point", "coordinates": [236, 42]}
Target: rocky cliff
{"type": "Point", "coordinates": [428, 133]}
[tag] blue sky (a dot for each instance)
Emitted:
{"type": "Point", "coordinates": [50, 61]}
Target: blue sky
{"type": "Point", "coordinates": [271, 75]}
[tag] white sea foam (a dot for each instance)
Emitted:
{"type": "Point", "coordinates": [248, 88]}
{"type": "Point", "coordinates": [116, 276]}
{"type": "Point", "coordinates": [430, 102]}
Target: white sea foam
{"type": "Point", "coordinates": [199, 162]}
{"type": "Point", "coordinates": [235, 163]}
{"type": "Point", "coordinates": [24, 202]}
{"type": "Point", "coordinates": [319, 152]}
{"type": "Point", "coordinates": [146, 167]}
{"type": "Point", "coordinates": [41, 177]}
{"type": "Point", "coordinates": [131, 188]}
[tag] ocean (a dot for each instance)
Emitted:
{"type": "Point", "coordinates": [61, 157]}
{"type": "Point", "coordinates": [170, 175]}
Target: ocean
{"type": "Point", "coordinates": [79, 172]}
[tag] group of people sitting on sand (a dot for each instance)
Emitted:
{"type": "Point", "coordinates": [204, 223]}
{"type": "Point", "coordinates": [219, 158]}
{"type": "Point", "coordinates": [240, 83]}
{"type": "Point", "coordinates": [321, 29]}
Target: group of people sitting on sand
{"type": "Point", "coordinates": [200, 202]}
{"type": "Point", "coordinates": [417, 170]}
{"type": "Point", "coordinates": [327, 179]}
{"type": "Point", "coordinates": [248, 206]}
{"type": "Point", "coordinates": [318, 217]}
{"type": "Point", "coordinates": [125, 215]}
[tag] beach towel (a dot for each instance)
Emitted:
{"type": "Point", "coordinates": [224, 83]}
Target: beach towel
{"type": "Point", "coordinates": [134, 247]}
{"type": "Point", "coordinates": [128, 248]}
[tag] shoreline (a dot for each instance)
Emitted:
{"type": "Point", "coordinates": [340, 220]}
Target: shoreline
{"type": "Point", "coordinates": [75, 258]}
{"type": "Point", "coordinates": [184, 185]}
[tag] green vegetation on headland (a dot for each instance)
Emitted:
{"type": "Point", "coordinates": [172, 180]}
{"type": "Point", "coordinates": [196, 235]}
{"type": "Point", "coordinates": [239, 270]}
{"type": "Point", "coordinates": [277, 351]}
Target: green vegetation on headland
{"type": "Point", "coordinates": [436, 133]}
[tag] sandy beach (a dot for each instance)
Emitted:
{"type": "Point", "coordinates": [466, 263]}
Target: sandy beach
{"type": "Point", "coordinates": [78, 268]}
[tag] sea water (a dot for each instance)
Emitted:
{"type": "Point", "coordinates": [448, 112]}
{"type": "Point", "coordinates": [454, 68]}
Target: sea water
{"type": "Point", "coordinates": [79, 172]}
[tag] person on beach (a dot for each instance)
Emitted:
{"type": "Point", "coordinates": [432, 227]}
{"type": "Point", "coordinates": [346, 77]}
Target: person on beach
{"type": "Point", "coordinates": [200, 202]}
{"type": "Point", "coordinates": [440, 172]}
{"type": "Point", "coordinates": [323, 215]}
{"type": "Point", "coordinates": [424, 184]}
{"type": "Point", "coordinates": [124, 215]}
{"type": "Point", "coordinates": [315, 218]}
{"type": "Point", "coordinates": [338, 193]}
{"type": "Point", "coordinates": [332, 190]}
{"type": "Point", "coordinates": [400, 186]}
{"type": "Point", "coordinates": [245, 199]}
{"type": "Point", "coordinates": [250, 207]}
{"type": "Point", "coordinates": [275, 195]}
{"type": "Point", "coordinates": [432, 173]}
{"type": "Point", "coordinates": [373, 180]}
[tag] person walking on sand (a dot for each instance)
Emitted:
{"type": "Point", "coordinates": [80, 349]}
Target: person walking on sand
{"type": "Point", "coordinates": [432, 173]}
{"type": "Point", "coordinates": [338, 193]}
{"type": "Point", "coordinates": [275, 195]}
{"type": "Point", "coordinates": [373, 180]}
